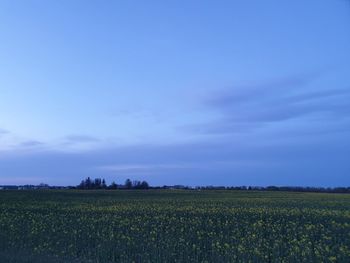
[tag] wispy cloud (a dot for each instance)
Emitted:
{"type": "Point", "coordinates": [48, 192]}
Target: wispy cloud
{"type": "Point", "coordinates": [247, 108]}
{"type": "Point", "coordinates": [222, 126]}
{"type": "Point", "coordinates": [79, 138]}
{"type": "Point", "coordinates": [31, 143]}
{"type": "Point", "coordinates": [10, 141]}
{"type": "Point", "coordinates": [243, 94]}
{"type": "Point", "coordinates": [3, 132]}
{"type": "Point", "coordinates": [315, 95]}
{"type": "Point", "coordinates": [140, 167]}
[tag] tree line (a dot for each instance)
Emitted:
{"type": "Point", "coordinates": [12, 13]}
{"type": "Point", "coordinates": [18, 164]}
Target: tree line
{"type": "Point", "coordinates": [279, 188]}
{"type": "Point", "coordinates": [98, 183]}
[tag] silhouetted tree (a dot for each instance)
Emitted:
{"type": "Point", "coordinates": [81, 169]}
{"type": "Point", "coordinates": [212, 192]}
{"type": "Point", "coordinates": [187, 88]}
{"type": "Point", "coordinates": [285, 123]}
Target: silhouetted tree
{"type": "Point", "coordinates": [113, 186]}
{"type": "Point", "coordinates": [88, 183]}
{"type": "Point", "coordinates": [128, 184]}
{"type": "Point", "coordinates": [144, 185]}
{"type": "Point", "coordinates": [136, 184]}
{"type": "Point", "coordinates": [92, 184]}
{"type": "Point", "coordinates": [97, 183]}
{"type": "Point", "coordinates": [104, 185]}
{"type": "Point", "coordinates": [82, 185]}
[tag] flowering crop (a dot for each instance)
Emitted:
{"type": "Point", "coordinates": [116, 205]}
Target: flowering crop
{"type": "Point", "coordinates": [177, 226]}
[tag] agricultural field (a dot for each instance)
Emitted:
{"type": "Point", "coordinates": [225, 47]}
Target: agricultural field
{"type": "Point", "coordinates": [173, 226]}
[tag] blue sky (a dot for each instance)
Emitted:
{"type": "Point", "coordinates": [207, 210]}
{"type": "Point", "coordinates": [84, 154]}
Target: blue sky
{"type": "Point", "coordinates": [175, 92]}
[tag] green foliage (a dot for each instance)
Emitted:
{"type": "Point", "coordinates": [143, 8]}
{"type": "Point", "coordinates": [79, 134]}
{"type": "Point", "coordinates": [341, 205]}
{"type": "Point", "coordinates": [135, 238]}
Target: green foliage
{"type": "Point", "coordinates": [177, 226]}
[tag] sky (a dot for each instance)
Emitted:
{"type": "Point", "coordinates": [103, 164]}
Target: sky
{"type": "Point", "coordinates": [175, 92]}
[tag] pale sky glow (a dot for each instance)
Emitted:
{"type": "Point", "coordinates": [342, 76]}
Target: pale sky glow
{"type": "Point", "coordinates": [182, 92]}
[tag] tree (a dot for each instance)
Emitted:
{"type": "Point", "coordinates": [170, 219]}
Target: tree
{"type": "Point", "coordinates": [97, 183]}
{"type": "Point", "coordinates": [113, 186]}
{"type": "Point", "coordinates": [104, 185]}
{"type": "Point", "coordinates": [128, 184]}
{"type": "Point", "coordinates": [88, 183]}
{"type": "Point", "coordinates": [144, 185]}
{"type": "Point", "coordinates": [136, 184]}
{"type": "Point", "coordinates": [82, 185]}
